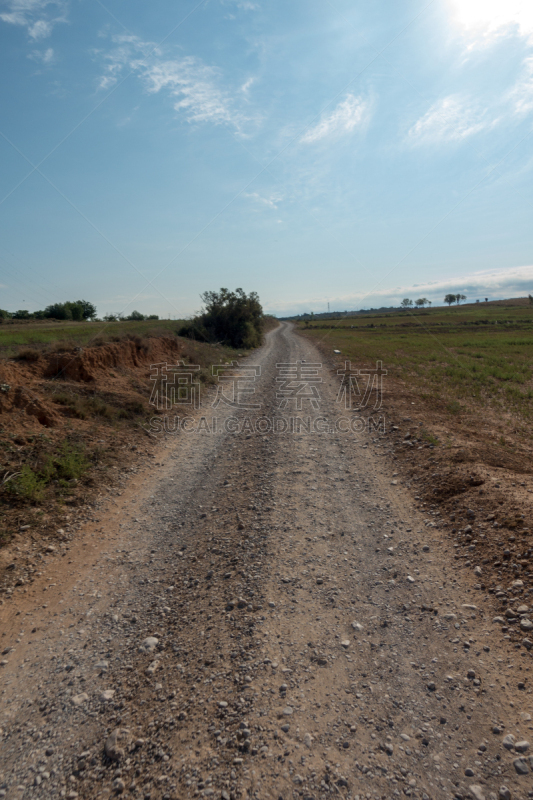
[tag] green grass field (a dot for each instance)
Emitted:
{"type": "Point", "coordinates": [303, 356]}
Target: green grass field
{"type": "Point", "coordinates": [469, 356]}
{"type": "Point", "coordinates": [14, 335]}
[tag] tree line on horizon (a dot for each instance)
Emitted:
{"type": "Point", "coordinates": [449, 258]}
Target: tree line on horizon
{"type": "Point", "coordinates": [71, 311]}
{"type": "Point", "coordinates": [422, 301]}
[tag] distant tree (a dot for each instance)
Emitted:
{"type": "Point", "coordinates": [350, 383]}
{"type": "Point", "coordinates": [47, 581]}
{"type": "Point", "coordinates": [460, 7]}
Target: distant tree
{"type": "Point", "coordinates": [88, 310]}
{"type": "Point", "coordinates": [58, 311]}
{"type": "Point", "coordinates": [420, 302]}
{"type": "Point", "coordinates": [22, 314]}
{"type": "Point", "coordinates": [4, 314]}
{"type": "Point", "coordinates": [135, 315]}
{"type": "Point", "coordinates": [529, 296]}
{"type": "Point", "coordinates": [460, 297]}
{"type": "Point", "coordinates": [76, 311]}
{"type": "Point", "coordinates": [110, 317]}
{"type": "Point", "coordinates": [152, 316]}
{"type": "Point", "coordinates": [406, 303]}
{"type": "Point", "coordinates": [450, 298]}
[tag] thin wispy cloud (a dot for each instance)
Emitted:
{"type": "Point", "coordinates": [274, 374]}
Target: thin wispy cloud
{"type": "Point", "coordinates": [42, 56]}
{"type": "Point", "coordinates": [271, 202]}
{"type": "Point", "coordinates": [349, 115]}
{"type": "Point", "coordinates": [522, 93]}
{"type": "Point", "coordinates": [450, 119]}
{"type": "Point", "coordinates": [194, 87]}
{"type": "Point", "coordinates": [245, 88]}
{"type": "Point", "coordinates": [37, 16]}
{"type": "Point", "coordinates": [244, 5]}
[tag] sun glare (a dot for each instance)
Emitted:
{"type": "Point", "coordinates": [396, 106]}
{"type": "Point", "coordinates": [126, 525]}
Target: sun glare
{"type": "Point", "coordinates": [492, 15]}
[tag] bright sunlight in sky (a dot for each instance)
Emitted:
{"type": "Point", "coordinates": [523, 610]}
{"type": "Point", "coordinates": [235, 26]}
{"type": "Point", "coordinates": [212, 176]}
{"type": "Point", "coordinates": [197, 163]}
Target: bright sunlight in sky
{"type": "Point", "coordinates": [313, 150]}
{"type": "Point", "coordinates": [492, 15]}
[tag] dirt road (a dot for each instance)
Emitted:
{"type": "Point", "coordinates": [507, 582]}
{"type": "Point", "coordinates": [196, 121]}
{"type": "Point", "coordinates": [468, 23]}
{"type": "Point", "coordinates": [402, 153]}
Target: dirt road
{"type": "Point", "coordinates": [261, 615]}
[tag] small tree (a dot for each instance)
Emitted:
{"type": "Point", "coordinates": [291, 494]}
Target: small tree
{"type": "Point", "coordinates": [450, 298]}
{"type": "Point", "coordinates": [406, 303]}
{"type": "Point", "coordinates": [460, 297]}
{"type": "Point", "coordinates": [234, 318]}
{"type": "Point", "coordinates": [420, 303]}
{"type": "Point", "coordinates": [135, 316]}
{"type": "Point", "coordinates": [529, 296]}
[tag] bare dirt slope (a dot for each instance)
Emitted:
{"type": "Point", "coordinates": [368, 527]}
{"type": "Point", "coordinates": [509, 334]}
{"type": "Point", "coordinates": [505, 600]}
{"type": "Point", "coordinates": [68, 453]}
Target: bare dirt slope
{"type": "Point", "coordinates": [261, 616]}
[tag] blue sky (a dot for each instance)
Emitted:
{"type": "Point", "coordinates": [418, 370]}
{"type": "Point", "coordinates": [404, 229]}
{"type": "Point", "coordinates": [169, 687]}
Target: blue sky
{"type": "Point", "coordinates": [308, 150]}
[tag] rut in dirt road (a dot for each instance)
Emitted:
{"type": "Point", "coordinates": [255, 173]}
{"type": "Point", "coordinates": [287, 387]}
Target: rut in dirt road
{"type": "Point", "coordinates": [264, 617]}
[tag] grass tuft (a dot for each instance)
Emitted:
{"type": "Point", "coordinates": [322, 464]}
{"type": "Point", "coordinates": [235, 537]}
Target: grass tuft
{"type": "Point", "coordinates": [67, 464]}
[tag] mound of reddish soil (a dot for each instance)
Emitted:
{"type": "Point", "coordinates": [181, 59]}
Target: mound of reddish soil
{"type": "Point", "coordinates": [96, 398]}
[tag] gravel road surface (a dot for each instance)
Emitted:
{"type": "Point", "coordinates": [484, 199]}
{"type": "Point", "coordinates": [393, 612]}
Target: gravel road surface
{"type": "Point", "coordinates": [260, 615]}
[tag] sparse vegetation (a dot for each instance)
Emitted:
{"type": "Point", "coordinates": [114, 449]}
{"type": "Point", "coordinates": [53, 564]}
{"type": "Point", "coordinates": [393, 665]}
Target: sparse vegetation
{"type": "Point", "coordinates": [90, 406]}
{"type": "Point", "coordinates": [71, 462]}
{"type": "Point", "coordinates": [31, 483]}
{"type": "Point", "coordinates": [464, 357]}
{"type": "Point", "coordinates": [428, 437]}
{"type": "Point", "coordinates": [42, 336]}
{"type": "Point", "coordinates": [27, 485]}
{"type": "Point", "coordinates": [454, 407]}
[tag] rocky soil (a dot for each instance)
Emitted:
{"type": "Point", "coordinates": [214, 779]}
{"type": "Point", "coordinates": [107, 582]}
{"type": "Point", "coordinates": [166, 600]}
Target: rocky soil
{"type": "Point", "coordinates": [263, 616]}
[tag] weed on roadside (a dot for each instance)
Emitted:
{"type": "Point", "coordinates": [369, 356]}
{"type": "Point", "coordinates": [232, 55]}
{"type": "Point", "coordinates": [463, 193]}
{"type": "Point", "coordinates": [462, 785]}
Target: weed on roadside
{"type": "Point", "coordinates": [454, 407]}
{"type": "Point", "coordinates": [428, 437]}
{"type": "Point", "coordinates": [30, 484]}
